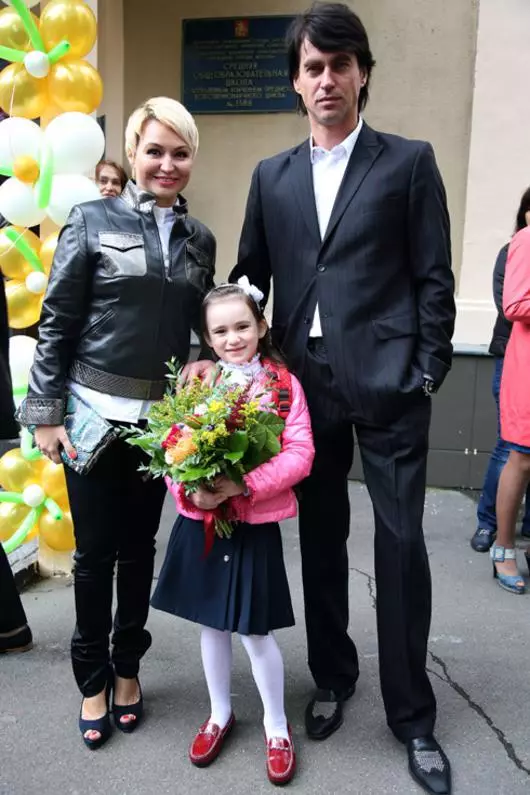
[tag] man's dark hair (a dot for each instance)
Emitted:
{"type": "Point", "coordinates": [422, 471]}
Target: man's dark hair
{"type": "Point", "coordinates": [330, 27]}
{"type": "Point", "coordinates": [524, 206]}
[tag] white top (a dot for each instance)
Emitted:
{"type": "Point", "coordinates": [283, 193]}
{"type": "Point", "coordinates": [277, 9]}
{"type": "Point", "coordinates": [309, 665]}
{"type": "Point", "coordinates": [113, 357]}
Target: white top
{"type": "Point", "coordinates": [241, 374]}
{"type": "Point", "coordinates": [329, 166]}
{"type": "Point", "coordinates": [165, 218]}
{"type": "Point", "coordinates": [113, 407]}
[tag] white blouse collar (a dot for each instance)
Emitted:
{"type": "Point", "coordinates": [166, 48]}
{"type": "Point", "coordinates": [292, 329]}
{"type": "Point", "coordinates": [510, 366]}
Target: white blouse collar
{"type": "Point", "coordinates": [241, 373]}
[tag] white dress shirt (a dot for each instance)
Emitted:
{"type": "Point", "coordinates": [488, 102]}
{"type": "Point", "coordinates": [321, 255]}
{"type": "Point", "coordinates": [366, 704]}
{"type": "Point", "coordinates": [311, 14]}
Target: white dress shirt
{"type": "Point", "coordinates": [113, 407]}
{"type": "Point", "coordinates": [329, 166]}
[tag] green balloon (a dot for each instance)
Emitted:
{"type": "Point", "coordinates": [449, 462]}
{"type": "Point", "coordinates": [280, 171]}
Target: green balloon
{"type": "Point", "coordinates": [19, 537]}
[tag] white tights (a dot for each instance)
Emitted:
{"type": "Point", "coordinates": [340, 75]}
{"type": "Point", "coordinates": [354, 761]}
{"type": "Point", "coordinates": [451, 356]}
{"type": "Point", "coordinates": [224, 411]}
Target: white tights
{"type": "Point", "coordinates": [267, 670]}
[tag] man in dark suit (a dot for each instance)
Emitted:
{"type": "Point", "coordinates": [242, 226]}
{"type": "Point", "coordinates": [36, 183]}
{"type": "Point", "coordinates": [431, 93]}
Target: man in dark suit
{"type": "Point", "coordinates": [352, 229]}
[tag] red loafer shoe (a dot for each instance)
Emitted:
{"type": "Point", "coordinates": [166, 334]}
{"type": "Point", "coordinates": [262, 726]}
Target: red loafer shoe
{"type": "Point", "coordinates": [208, 742]}
{"type": "Point", "coordinates": [281, 760]}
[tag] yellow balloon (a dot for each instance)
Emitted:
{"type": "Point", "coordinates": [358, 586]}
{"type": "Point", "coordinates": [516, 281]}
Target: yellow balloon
{"type": "Point", "coordinates": [71, 21]}
{"type": "Point", "coordinates": [58, 534]}
{"type": "Point", "coordinates": [23, 307]}
{"type": "Point", "coordinates": [16, 473]}
{"type": "Point", "coordinates": [33, 533]}
{"type": "Point", "coordinates": [75, 85]}
{"type": "Point", "coordinates": [53, 482]}
{"type": "Point", "coordinates": [12, 263]}
{"type": "Point", "coordinates": [11, 517]}
{"type": "Point", "coordinates": [47, 250]}
{"type": "Point", "coordinates": [12, 31]}
{"type": "Point", "coordinates": [26, 169]}
{"type": "Point", "coordinates": [21, 94]}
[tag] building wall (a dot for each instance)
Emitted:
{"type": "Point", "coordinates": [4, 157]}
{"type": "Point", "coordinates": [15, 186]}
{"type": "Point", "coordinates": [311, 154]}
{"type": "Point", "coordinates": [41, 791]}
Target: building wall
{"type": "Point", "coordinates": [422, 88]}
{"type": "Point", "coordinates": [499, 163]}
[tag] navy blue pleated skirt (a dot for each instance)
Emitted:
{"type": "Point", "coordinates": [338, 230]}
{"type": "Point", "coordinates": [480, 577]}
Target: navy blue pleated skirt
{"type": "Point", "coordinates": [241, 586]}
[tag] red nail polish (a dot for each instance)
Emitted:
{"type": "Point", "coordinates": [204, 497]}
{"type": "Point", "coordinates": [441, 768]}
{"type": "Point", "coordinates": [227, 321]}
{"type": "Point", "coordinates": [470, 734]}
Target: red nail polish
{"type": "Point", "coordinates": [72, 455]}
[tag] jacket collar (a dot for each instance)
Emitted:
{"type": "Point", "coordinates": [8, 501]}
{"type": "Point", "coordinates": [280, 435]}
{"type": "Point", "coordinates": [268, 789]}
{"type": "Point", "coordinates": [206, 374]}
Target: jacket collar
{"type": "Point", "coordinates": [366, 151]}
{"type": "Point", "coordinates": [143, 201]}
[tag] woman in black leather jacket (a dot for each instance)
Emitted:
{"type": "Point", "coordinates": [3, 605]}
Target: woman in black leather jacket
{"type": "Point", "coordinates": [125, 291]}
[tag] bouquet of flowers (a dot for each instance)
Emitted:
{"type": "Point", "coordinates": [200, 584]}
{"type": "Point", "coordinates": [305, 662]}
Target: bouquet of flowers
{"type": "Point", "coordinates": [198, 432]}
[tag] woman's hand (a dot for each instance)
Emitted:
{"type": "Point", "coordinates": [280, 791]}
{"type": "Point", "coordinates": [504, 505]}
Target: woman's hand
{"type": "Point", "coordinates": [227, 488]}
{"type": "Point", "coordinates": [205, 370]}
{"type": "Point", "coordinates": [49, 437]}
{"type": "Point", "coordinates": [206, 500]}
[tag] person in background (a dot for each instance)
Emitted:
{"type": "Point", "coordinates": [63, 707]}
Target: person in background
{"type": "Point", "coordinates": [515, 413]}
{"type": "Point", "coordinates": [486, 515]}
{"type": "Point", "coordinates": [111, 178]}
{"type": "Point", "coordinates": [15, 634]}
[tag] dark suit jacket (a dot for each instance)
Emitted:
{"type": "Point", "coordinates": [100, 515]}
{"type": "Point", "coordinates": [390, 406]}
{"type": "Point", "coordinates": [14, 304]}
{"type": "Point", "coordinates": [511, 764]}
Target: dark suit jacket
{"type": "Point", "coordinates": [382, 275]}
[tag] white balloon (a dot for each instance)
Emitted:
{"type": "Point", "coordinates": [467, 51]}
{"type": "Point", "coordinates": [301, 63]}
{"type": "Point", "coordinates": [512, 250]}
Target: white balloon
{"type": "Point", "coordinates": [37, 64]}
{"type": "Point", "coordinates": [18, 203]}
{"type": "Point", "coordinates": [36, 282]}
{"type": "Point", "coordinates": [29, 3]}
{"type": "Point", "coordinates": [33, 495]}
{"type": "Point", "coordinates": [21, 353]}
{"type": "Point", "coordinates": [77, 143]}
{"type": "Point", "coordinates": [19, 137]}
{"type": "Point", "coordinates": [68, 190]}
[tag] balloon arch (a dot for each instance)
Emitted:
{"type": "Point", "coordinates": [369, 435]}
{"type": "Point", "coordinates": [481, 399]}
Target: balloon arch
{"type": "Point", "coordinates": [47, 169]}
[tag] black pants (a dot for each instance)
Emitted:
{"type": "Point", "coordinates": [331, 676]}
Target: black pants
{"type": "Point", "coordinates": [116, 513]}
{"type": "Point", "coordinates": [394, 458]}
{"type": "Point", "coordinates": [12, 615]}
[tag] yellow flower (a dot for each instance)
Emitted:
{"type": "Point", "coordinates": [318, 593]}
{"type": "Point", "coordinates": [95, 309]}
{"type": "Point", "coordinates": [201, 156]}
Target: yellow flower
{"type": "Point", "coordinates": [210, 437]}
{"type": "Point", "coordinates": [216, 405]}
{"type": "Point", "coordinates": [250, 409]}
{"type": "Point", "coordinates": [184, 448]}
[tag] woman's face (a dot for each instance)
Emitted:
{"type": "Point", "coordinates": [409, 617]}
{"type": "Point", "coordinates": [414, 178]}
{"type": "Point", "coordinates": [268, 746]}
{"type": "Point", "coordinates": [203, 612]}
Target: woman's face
{"type": "Point", "coordinates": [162, 163]}
{"type": "Point", "coordinates": [527, 217]}
{"type": "Point", "coordinates": [108, 181]}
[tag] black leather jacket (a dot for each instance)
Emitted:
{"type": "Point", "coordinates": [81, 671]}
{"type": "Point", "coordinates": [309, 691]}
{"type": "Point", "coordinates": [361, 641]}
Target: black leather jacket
{"type": "Point", "coordinates": [112, 316]}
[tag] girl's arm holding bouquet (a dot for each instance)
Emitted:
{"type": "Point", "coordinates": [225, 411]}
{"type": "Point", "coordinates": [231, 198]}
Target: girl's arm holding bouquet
{"type": "Point", "coordinates": [291, 465]}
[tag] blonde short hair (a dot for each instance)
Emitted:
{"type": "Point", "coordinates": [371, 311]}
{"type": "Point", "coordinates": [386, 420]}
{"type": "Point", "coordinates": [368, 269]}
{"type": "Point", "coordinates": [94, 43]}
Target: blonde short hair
{"type": "Point", "coordinates": [167, 111]}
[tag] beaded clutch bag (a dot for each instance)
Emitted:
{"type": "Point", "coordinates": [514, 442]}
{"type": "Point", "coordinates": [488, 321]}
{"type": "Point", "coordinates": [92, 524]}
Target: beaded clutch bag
{"type": "Point", "coordinates": [88, 432]}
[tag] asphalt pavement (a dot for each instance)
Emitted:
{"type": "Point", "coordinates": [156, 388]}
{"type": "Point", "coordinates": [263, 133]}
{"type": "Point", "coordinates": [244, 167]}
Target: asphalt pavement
{"type": "Point", "coordinates": [479, 661]}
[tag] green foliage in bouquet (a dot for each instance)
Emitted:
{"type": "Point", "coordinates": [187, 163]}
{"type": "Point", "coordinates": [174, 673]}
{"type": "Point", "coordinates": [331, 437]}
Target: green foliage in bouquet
{"type": "Point", "coordinates": [198, 431]}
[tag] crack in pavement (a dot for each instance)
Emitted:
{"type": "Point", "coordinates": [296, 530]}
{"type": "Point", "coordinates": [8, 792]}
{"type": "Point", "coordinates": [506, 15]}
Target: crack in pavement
{"type": "Point", "coordinates": [371, 585]}
{"type": "Point", "coordinates": [448, 680]}
{"type": "Point", "coordinates": [506, 744]}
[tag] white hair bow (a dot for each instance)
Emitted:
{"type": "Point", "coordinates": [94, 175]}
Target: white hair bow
{"type": "Point", "coordinates": [250, 289]}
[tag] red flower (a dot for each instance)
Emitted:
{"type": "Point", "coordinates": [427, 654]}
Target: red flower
{"type": "Point", "coordinates": [235, 420]}
{"type": "Point", "coordinates": [172, 438]}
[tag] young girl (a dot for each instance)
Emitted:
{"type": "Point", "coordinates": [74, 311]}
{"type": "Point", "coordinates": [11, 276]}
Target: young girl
{"type": "Point", "coordinates": [241, 585]}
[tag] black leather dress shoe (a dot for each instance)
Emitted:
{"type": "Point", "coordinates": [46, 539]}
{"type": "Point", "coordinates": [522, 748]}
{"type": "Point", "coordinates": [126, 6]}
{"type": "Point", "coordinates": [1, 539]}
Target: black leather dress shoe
{"type": "Point", "coordinates": [428, 765]}
{"type": "Point", "coordinates": [324, 714]}
{"type": "Point", "coordinates": [483, 539]}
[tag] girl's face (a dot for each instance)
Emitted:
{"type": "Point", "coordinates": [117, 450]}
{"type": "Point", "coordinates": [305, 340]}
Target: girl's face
{"type": "Point", "coordinates": [527, 217]}
{"type": "Point", "coordinates": [109, 182]}
{"type": "Point", "coordinates": [162, 163]}
{"type": "Point", "coordinates": [232, 330]}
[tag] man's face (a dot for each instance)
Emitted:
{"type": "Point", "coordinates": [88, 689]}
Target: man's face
{"type": "Point", "coordinates": [329, 84]}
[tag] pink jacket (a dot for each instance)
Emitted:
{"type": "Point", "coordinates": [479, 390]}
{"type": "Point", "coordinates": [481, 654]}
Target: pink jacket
{"type": "Point", "coordinates": [271, 497]}
{"type": "Point", "coordinates": [515, 383]}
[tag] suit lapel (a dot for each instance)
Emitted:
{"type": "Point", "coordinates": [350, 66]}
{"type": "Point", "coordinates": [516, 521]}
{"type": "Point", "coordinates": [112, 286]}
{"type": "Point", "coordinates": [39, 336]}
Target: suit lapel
{"type": "Point", "coordinates": [364, 155]}
{"type": "Point", "coordinates": [302, 182]}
